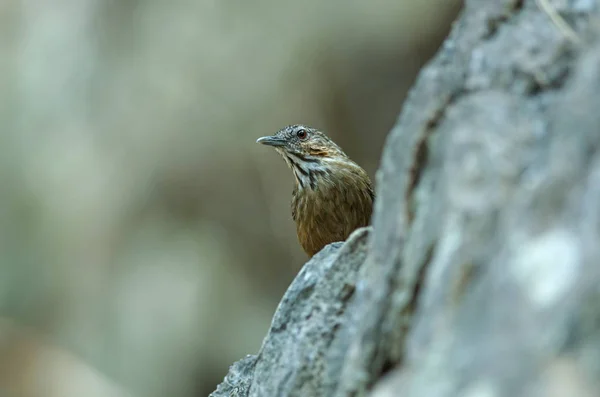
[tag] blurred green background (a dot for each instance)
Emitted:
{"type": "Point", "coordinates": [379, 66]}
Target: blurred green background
{"type": "Point", "coordinates": [145, 238]}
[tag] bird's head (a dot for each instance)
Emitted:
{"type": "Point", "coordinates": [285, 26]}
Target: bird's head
{"type": "Point", "coordinates": [308, 152]}
{"type": "Point", "coordinates": [302, 141]}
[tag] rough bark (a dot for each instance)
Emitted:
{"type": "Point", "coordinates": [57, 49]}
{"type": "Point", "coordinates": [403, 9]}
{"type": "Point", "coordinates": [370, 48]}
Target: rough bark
{"type": "Point", "coordinates": [481, 274]}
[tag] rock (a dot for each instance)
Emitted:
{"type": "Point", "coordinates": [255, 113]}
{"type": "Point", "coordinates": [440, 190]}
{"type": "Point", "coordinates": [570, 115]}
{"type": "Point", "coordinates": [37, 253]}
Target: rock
{"type": "Point", "coordinates": [481, 276]}
{"type": "Point", "coordinates": [293, 358]}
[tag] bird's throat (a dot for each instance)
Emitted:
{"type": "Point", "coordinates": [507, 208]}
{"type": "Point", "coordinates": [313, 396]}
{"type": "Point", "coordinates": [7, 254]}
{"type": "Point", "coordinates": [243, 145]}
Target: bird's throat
{"type": "Point", "coordinates": [307, 170]}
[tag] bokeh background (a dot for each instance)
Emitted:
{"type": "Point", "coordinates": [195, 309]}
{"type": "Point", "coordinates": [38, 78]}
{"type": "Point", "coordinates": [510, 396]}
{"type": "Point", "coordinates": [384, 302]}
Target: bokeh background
{"type": "Point", "coordinates": [145, 239]}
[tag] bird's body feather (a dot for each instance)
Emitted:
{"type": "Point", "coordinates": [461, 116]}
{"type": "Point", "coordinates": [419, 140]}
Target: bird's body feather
{"type": "Point", "coordinates": [339, 202]}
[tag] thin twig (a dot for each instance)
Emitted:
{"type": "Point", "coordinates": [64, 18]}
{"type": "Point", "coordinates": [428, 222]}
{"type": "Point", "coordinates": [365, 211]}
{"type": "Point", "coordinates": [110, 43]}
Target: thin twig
{"type": "Point", "coordinates": [560, 23]}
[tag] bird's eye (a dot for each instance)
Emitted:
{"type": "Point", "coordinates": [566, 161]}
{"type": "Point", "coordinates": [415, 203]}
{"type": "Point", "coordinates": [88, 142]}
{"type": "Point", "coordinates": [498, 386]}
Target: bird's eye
{"type": "Point", "coordinates": [302, 134]}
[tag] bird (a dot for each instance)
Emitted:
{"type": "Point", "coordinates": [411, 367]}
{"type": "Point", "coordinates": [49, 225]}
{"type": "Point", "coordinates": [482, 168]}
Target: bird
{"type": "Point", "coordinates": [332, 195]}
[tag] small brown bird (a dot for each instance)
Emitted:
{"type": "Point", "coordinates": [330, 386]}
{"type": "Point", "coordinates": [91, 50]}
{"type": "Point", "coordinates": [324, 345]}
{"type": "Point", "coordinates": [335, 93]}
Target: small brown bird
{"type": "Point", "coordinates": [332, 196]}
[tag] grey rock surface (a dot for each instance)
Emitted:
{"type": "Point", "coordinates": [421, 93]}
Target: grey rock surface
{"type": "Point", "coordinates": [292, 359]}
{"type": "Point", "coordinates": [482, 276]}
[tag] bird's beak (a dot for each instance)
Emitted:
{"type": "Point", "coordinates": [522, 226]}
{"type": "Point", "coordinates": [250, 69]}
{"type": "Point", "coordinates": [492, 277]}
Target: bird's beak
{"type": "Point", "coordinates": [271, 141]}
